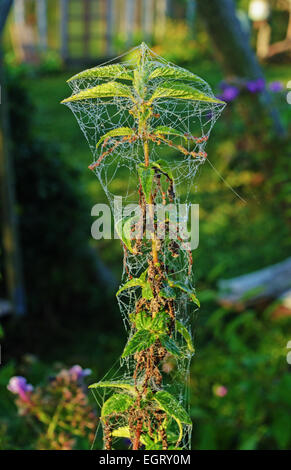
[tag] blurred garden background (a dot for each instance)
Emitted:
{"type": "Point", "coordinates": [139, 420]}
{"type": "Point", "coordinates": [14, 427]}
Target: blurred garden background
{"type": "Point", "coordinates": [57, 285]}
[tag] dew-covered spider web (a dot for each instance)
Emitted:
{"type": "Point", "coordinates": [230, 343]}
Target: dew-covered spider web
{"type": "Point", "coordinates": [147, 123]}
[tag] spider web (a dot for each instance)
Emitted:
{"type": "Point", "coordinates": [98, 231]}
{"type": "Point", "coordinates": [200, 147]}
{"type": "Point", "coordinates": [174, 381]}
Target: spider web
{"type": "Point", "coordinates": [117, 172]}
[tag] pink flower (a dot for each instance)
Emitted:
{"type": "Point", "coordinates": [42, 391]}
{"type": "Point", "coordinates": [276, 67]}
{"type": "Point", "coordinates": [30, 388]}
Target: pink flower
{"type": "Point", "coordinates": [220, 391]}
{"type": "Point", "coordinates": [19, 386]}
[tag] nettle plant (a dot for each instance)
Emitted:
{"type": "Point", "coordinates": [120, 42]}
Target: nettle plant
{"type": "Point", "coordinates": [147, 123]}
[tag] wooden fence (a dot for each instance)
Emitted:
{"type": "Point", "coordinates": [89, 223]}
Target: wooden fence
{"type": "Point", "coordinates": [88, 29]}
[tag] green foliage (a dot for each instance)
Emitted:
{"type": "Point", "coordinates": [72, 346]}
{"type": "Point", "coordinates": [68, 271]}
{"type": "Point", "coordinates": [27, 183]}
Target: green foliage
{"type": "Point", "coordinates": [186, 335]}
{"type": "Point", "coordinates": [168, 131]}
{"type": "Point", "coordinates": [181, 91]}
{"type": "Point", "coordinates": [105, 90]}
{"type": "Point", "coordinates": [246, 353]}
{"type": "Point", "coordinates": [140, 341]}
{"type": "Point", "coordinates": [173, 408]}
{"type": "Point", "coordinates": [107, 71]}
{"type": "Point", "coordinates": [174, 73]}
{"type": "Point", "coordinates": [146, 175]}
{"type": "Point", "coordinates": [123, 230]}
{"type": "Point", "coordinates": [120, 131]}
{"type": "Point", "coordinates": [138, 281]}
{"type": "Point", "coordinates": [118, 403]}
{"type": "Point", "coordinates": [183, 287]}
{"type": "Point", "coordinates": [170, 345]}
{"type": "Point", "coordinates": [171, 405]}
{"type": "Point", "coordinates": [114, 384]}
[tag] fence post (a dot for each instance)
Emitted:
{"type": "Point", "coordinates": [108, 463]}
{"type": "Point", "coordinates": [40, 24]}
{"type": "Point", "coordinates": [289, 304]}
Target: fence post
{"type": "Point", "coordinates": [148, 14]}
{"type": "Point", "coordinates": [129, 21]}
{"type": "Point", "coordinates": [41, 12]}
{"type": "Point", "coordinates": [161, 18]}
{"type": "Point", "coordinates": [110, 20]}
{"type": "Point", "coordinates": [64, 24]}
{"type": "Point", "coordinates": [19, 11]}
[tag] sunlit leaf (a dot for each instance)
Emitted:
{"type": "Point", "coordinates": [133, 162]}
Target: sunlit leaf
{"type": "Point", "coordinates": [147, 292]}
{"type": "Point", "coordinates": [118, 403]}
{"type": "Point", "coordinates": [175, 73]}
{"type": "Point", "coordinates": [120, 131]}
{"type": "Point", "coordinates": [169, 131]}
{"type": "Point", "coordinates": [173, 408]}
{"type": "Point", "coordinates": [105, 90]}
{"type": "Point", "coordinates": [114, 384]}
{"type": "Point", "coordinates": [181, 91]}
{"type": "Point", "coordinates": [114, 71]}
{"type": "Point", "coordinates": [143, 321]}
{"type": "Point", "coordinates": [131, 283]}
{"type": "Point", "coordinates": [125, 432]}
{"type": "Point", "coordinates": [140, 341]}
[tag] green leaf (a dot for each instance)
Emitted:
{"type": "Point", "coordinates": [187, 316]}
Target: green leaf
{"type": "Point", "coordinates": [121, 432]}
{"type": "Point", "coordinates": [143, 321]}
{"type": "Point", "coordinates": [140, 341]}
{"type": "Point", "coordinates": [175, 73]}
{"type": "Point", "coordinates": [164, 167]}
{"type": "Point", "coordinates": [147, 292]}
{"type": "Point", "coordinates": [114, 71]}
{"type": "Point", "coordinates": [160, 321]}
{"type": "Point", "coordinates": [123, 230]}
{"type": "Point", "coordinates": [117, 403]}
{"type": "Point", "coordinates": [120, 131]}
{"type": "Point", "coordinates": [170, 345]}
{"type": "Point", "coordinates": [186, 289]}
{"type": "Point", "coordinates": [167, 293]}
{"type": "Point", "coordinates": [169, 131]}
{"type": "Point", "coordinates": [136, 281]}
{"type": "Point", "coordinates": [125, 432]}
{"type": "Point", "coordinates": [181, 91]}
{"type": "Point", "coordinates": [105, 90]}
{"type": "Point", "coordinates": [114, 384]}
{"type": "Point", "coordinates": [173, 408]}
{"type": "Point", "coordinates": [146, 174]}
{"type": "Point", "coordinates": [186, 335]}
{"type": "Point", "coordinates": [143, 275]}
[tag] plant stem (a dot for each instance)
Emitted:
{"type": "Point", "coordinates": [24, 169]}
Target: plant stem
{"type": "Point", "coordinates": [136, 441]}
{"type": "Point", "coordinates": [151, 209]}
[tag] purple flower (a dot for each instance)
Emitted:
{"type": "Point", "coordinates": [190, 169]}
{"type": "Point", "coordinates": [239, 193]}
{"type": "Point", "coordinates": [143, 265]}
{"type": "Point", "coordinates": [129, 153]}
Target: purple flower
{"type": "Point", "coordinates": [229, 92]}
{"type": "Point", "coordinates": [19, 386]}
{"type": "Point", "coordinates": [276, 86]}
{"type": "Point", "coordinates": [255, 86]}
{"type": "Point", "coordinates": [78, 373]}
